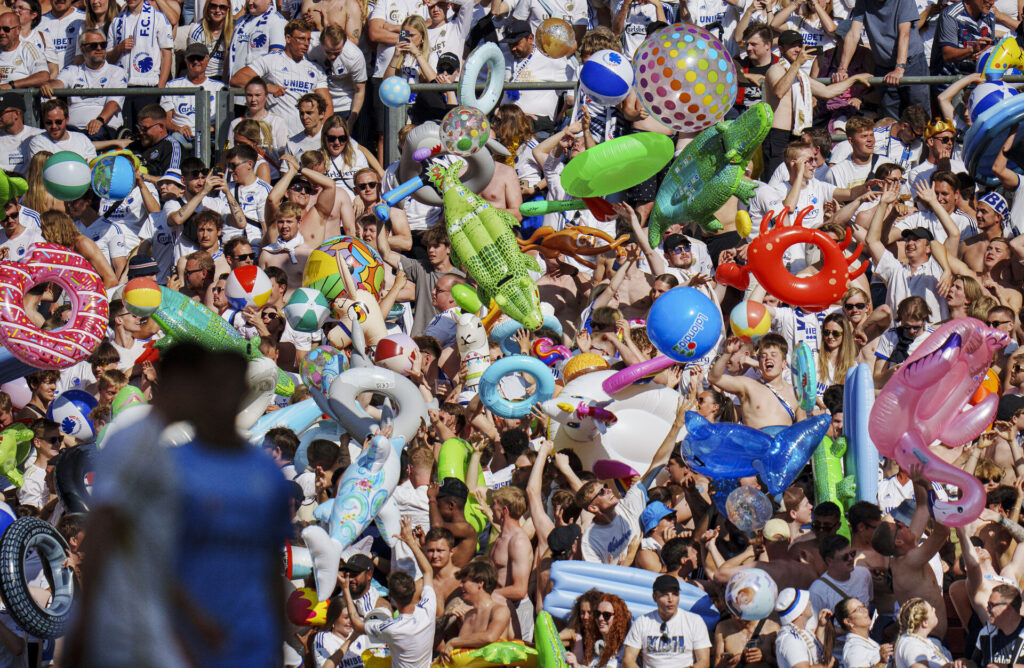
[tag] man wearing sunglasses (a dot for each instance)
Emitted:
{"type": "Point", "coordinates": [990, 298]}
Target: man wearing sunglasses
{"type": "Point", "coordinates": [95, 117]}
{"type": "Point", "coordinates": [668, 637]}
{"type": "Point", "coordinates": [21, 63]}
{"type": "Point", "coordinates": [939, 137]}
{"type": "Point", "coordinates": [56, 137]}
{"type": "Point", "coordinates": [15, 238]}
{"type": "Point", "coordinates": [841, 580]}
{"type": "Point", "coordinates": [181, 109]}
{"type": "Point", "coordinates": [47, 441]}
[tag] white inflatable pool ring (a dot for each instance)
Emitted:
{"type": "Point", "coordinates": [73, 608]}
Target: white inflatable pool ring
{"type": "Point", "coordinates": [406, 397]}
{"type": "Point", "coordinates": [486, 55]}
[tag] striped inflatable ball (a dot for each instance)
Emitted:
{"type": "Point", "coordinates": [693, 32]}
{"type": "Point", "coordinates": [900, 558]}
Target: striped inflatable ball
{"type": "Point", "coordinates": [66, 175]}
{"type": "Point", "coordinates": [986, 96]}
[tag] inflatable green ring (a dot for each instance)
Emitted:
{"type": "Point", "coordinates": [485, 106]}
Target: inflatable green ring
{"type": "Point", "coordinates": [617, 164]}
{"type": "Point", "coordinates": [452, 462]}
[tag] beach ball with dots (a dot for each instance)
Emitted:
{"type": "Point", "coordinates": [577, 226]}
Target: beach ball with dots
{"type": "Point", "coordinates": [684, 77]}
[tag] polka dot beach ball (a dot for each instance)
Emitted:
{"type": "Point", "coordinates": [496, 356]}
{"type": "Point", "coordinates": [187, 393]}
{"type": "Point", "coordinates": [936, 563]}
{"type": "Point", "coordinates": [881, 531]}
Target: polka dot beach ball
{"type": "Point", "coordinates": [395, 92]}
{"type": "Point", "coordinates": [684, 77]}
{"type": "Point", "coordinates": [464, 131]}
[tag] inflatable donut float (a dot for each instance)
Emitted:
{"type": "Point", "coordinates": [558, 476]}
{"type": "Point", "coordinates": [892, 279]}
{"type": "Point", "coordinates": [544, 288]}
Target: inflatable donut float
{"type": "Point", "coordinates": [68, 345]}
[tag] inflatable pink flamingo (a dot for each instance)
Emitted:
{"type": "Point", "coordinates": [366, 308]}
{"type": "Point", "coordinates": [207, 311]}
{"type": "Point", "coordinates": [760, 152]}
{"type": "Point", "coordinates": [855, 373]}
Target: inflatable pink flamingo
{"type": "Point", "coordinates": [925, 402]}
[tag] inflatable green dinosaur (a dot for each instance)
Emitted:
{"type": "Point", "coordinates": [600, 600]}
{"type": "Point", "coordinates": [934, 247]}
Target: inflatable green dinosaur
{"type": "Point", "coordinates": [483, 243]}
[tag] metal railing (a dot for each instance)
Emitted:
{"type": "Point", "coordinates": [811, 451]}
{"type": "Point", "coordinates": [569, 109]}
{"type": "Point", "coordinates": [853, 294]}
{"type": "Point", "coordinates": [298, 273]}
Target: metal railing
{"type": "Point", "coordinates": [209, 145]}
{"type": "Point", "coordinates": [202, 135]}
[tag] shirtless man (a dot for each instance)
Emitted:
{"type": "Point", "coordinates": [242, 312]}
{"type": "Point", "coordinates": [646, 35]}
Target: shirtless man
{"type": "Point", "coordinates": [768, 403]}
{"type": "Point", "coordinates": [990, 227]}
{"type": "Point", "coordinates": [438, 548]}
{"type": "Point", "coordinates": [773, 557]}
{"type": "Point", "coordinates": [784, 83]}
{"type": "Point", "coordinates": [563, 286]}
{"type": "Point", "coordinates": [512, 556]}
{"type": "Point", "coordinates": [298, 185]}
{"type": "Point", "coordinates": [290, 251]}
{"type": "Point", "coordinates": [488, 620]}
{"type": "Point", "coordinates": [198, 277]}
{"type": "Point", "coordinates": [735, 642]}
{"type": "Point", "coordinates": [448, 510]}
{"type": "Point", "coordinates": [912, 576]}
{"type": "Point", "coordinates": [864, 518]}
{"type": "Point", "coordinates": [346, 13]}
{"type": "Point", "coordinates": [503, 191]}
{"type": "Point", "coordinates": [341, 220]}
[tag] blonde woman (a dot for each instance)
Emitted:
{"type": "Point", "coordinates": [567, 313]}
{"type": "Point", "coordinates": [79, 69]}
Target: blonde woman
{"type": "Point", "coordinates": [58, 228]}
{"type": "Point", "coordinates": [214, 32]}
{"type": "Point", "coordinates": [914, 649]}
{"type": "Point", "coordinates": [344, 156]}
{"type": "Point", "coordinates": [837, 352]}
{"type": "Point", "coordinates": [36, 197]}
{"type": "Point", "coordinates": [412, 53]}
{"type": "Point", "coordinates": [99, 14]}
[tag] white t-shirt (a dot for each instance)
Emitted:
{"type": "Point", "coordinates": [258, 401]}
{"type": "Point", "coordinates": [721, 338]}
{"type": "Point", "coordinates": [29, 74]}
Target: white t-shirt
{"type": "Point", "coordinates": [326, 643]}
{"type": "Point", "coordinates": [413, 503]}
{"type": "Point", "coordinates": [394, 12]}
{"type": "Point", "coordinates": [606, 543]}
{"type": "Point", "coordinates": [537, 67]}
{"type": "Point", "coordinates": [61, 37]}
{"type": "Point", "coordinates": [75, 142]}
{"type": "Point", "coordinates": [409, 637]}
{"type": "Point", "coordinates": [255, 36]}
{"type": "Point", "coordinates": [184, 106]}
{"type": "Point", "coordinates": [13, 149]}
{"type": "Point", "coordinates": [33, 490]}
{"type": "Point", "coordinates": [302, 142]}
{"type": "Point", "coordinates": [780, 177]}
{"type": "Point", "coordinates": [927, 219]}
{"type": "Point", "coordinates": [113, 239]}
{"type": "Point", "coordinates": [887, 343]}
{"type": "Point", "coordinates": [923, 172]}
{"type": "Point", "coordinates": [142, 63]}
{"type": "Point", "coordinates": [848, 174]}
{"type": "Point", "coordinates": [634, 30]}
{"type": "Point", "coordinates": [343, 73]}
{"type": "Point", "coordinates": [23, 61]}
{"type": "Point", "coordinates": [910, 650]}
{"type": "Point", "coordinates": [536, 12]}
{"type": "Point", "coordinates": [900, 283]}
{"type": "Point", "coordinates": [297, 79]}
{"type": "Point", "coordinates": [859, 586]}
{"type": "Point", "coordinates": [860, 652]}
{"type": "Point", "coordinates": [131, 211]}
{"type": "Point", "coordinates": [252, 198]}
{"type": "Point", "coordinates": [18, 246]}
{"type": "Point", "coordinates": [793, 647]}
{"type": "Point", "coordinates": [451, 35]}
{"type": "Point", "coordinates": [162, 238]}
{"type": "Point", "coordinates": [85, 109]}
{"type": "Point", "coordinates": [767, 198]}
{"type": "Point", "coordinates": [889, 148]}
{"type": "Point", "coordinates": [344, 173]}
{"type": "Point", "coordinates": [686, 632]}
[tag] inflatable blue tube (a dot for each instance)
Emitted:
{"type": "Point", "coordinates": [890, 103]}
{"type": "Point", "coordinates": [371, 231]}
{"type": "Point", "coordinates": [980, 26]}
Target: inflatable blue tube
{"type": "Point", "coordinates": [805, 376]}
{"type": "Point", "coordinates": [11, 367]}
{"type": "Point", "coordinates": [986, 136]}
{"type": "Point", "coordinates": [503, 332]}
{"type": "Point", "coordinates": [861, 453]}
{"type": "Point", "coordinates": [531, 366]}
{"type": "Point", "coordinates": [297, 417]}
{"type": "Point", "coordinates": [570, 579]}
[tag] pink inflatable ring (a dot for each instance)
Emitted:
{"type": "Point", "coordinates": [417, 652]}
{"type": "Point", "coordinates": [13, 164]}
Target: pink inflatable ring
{"type": "Point", "coordinates": [68, 345]}
{"type": "Point", "coordinates": [635, 372]}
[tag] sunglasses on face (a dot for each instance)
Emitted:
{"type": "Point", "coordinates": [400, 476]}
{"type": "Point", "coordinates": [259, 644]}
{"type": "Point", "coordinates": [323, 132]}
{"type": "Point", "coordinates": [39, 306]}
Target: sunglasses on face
{"type": "Point", "coordinates": [833, 334]}
{"type": "Point", "coordinates": [337, 139]}
{"type": "Point", "coordinates": [94, 46]}
{"type": "Point", "coordinates": [8, 28]}
{"type": "Point", "coordinates": [912, 328]}
{"type": "Point", "coordinates": [218, 289]}
{"type": "Point", "coordinates": [195, 174]}
{"type": "Point", "coordinates": [987, 481]}
{"type": "Point", "coordinates": [998, 323]}
{"type": "Point", "coordinates": [235, 165]}
{"type": "Point", "coordinates": [861, 306]}
{"type": "Point", "coordinates": [601, 492]}
{"type": "Point", "coordinates": [447, 69]}
{"type": "Point", "coordinates": [943, 140]}
{"type": "Point", "coordinates": [195, 59]}
{"type": "Point", "coordinates": [370, 185]}
{"type": "Point", "coordinates": [301, 188]}
{"type": "Point", "coordinates": [605, 615]}
{"type": "Point", "coordinates": [245, 256]}
{"type": "Point", "coordinates": [682, 248]}
{"type": "Point", "coordinates": [59, 121]}
{"type": "Point", "coordinates": [219, 8]}
{"type": "Point", "coordinates": [822, 526]}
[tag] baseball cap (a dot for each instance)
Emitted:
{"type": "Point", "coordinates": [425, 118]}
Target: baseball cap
{"type": "Point", "coordinates": [173, 176]}
{"type": "Point", "coordinates": [664, 583]}
{"type": "Point", "coordinates": [776, 530]}
{"type": "Point", "coordinates": [454, 488]}
{"type": "Point", "coordinates": [655, 512]}
{"type": "Point", "coordinates": [918, 233]}
{"type": "Point", "coordinates": [358, 563]}
{"type": "Point", "coordinates": [1008, 405]}
{"type": "Point", "coordinates": [142, 265]}
{"type": "Point", "coordinates": [516, 30]}
{"type": "Point", "coordinates": [12, 101]}
{"type": "Point", "coordinates": [674, 240]}
{"type": "Point", "coordinates": [997, 202]}
{"type": "Point", "coordinates": [789, 38]}
{"type": "Point", "coordinates": [196, 49]}
{"type": "Point", "coordinates": [560, 539]}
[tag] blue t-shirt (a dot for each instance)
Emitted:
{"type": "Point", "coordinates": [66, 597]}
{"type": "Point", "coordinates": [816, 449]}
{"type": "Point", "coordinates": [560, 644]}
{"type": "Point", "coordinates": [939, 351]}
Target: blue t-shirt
{"type": "Point", "coordinates": [234, 520]}
{"type": "Point", "coordinates": [959, 29]}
